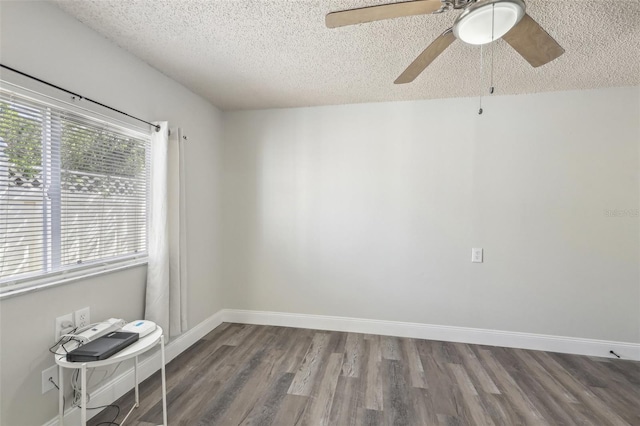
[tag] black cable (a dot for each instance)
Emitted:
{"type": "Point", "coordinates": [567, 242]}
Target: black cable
{"type": "Point", "coordinates": [112, 422]}
{"type": "Point", "coordinates": [54, 383]}
{"type": "Point", "coordinates": [64, 402]}
{"type": "Point", "coordinates": [69, 339]}
{"type": "Point", "coordinates": [55, 352]}
{"type": "Point", "coordinates": [157, 127]}
{"type": "Point", "coordinates": [56, 344]}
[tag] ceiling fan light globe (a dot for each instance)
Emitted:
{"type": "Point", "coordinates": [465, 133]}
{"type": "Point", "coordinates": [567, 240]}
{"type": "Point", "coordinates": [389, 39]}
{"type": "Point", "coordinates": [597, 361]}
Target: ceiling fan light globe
{"type": "Point", "coordinates": [488, 20]}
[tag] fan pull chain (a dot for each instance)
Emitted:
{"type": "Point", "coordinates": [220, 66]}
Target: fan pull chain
{"type": "Point", "coordinates": [481, 75]}
{"type": "Point", "coordinates": [493, 39]}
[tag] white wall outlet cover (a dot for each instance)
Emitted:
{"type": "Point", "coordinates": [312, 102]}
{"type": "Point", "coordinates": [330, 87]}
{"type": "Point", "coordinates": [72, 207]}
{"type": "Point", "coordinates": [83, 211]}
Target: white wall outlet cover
{"type": "Point", "coordinates": [60, 321]}
{"type": "Point", "coordinates": [51, 372]}
{"type": "Point", "coordinates": [83, 317]}
{"type": "Point", "coordinates": [476, 255]}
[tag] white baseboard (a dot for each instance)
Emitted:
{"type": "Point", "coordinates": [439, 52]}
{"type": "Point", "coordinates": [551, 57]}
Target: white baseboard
{"type": "Point", "coordinates": [541, 342]}
{"type": "Point", "coordinates": [124, 382]}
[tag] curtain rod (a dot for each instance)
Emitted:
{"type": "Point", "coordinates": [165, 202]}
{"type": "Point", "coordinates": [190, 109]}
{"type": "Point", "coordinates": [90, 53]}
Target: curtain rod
{"type": "Point", "coordinates": [157, 127]}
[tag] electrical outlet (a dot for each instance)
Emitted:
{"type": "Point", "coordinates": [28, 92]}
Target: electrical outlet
{"type": "Point", "coordinates": [51, 372]}
{"type": "Point", "coordinates": [64, 324]}
{"type": "Point", "coordinates": [82, 317]}
{"type": "Point", "coordinates": [476, 255]}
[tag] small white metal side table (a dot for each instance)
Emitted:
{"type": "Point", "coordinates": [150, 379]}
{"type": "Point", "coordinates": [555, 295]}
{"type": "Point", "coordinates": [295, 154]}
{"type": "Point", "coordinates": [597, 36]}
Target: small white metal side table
{"type": "Point", "coordinates": [132, 351]}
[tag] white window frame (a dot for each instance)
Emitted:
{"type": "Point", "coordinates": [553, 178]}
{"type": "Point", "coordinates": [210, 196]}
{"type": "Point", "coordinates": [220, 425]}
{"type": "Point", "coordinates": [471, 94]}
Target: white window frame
{"type": "Point", "coordinates": [26, 283]}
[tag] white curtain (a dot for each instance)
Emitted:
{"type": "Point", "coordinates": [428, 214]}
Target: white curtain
{"type": "Point", "coordinates": [166, 299]}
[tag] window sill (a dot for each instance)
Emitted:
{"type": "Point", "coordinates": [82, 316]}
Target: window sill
{"type": "Point", "coordinates": [42, 283]}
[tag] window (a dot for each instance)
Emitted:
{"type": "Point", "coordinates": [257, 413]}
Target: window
{"type": "Point", "coordinates": [73, 190]}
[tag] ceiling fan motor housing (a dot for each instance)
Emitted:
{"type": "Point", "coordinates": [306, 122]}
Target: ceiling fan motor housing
{"type": "Point", "coordinates": [488, 20]}
{"type": "Point", "coordinates": [448, 5]}
{"type": "Point", "coordinates": [461, 4]}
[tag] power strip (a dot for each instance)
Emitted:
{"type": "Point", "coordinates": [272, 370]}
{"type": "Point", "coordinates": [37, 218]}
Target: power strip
{"type": "Point", "coordinates": [102, 328]}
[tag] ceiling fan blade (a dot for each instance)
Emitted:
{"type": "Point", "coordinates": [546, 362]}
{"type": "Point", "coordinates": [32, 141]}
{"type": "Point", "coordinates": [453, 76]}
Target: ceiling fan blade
{"type": "Point", "coordinates": [531, 41]}
{"type": "Point", "coordinates": [426, 57]}
{"type": "Point", "coordinates": [378, 13]}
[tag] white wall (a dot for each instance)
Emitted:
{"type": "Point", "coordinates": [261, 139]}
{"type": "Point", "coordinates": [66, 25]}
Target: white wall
{"type": "Point", "coordinates": [371, 211]}
{"type": "Point", "coordinates": [40, 39]}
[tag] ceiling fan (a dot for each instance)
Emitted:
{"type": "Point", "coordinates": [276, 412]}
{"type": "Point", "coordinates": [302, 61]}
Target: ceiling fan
{"type": "Point", "coordinates": [481, 22]}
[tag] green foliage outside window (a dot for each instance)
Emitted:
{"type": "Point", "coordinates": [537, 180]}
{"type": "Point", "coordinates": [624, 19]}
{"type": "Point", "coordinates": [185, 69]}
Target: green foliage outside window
{"type": "Point", "coordinates": [22, 136]}
{"type": "Point", "coordinates": [83, 150]}
{"type": "Point", "coordinates": [100, 152]}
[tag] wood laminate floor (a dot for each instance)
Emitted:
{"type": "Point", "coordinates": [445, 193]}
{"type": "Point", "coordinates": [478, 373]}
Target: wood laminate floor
{"type": "Point", "coordinates": [261, 375]}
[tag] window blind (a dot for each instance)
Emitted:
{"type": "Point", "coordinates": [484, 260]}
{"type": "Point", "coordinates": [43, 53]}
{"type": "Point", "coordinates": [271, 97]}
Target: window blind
{"type": "Point", "coordinates": [73, 189]}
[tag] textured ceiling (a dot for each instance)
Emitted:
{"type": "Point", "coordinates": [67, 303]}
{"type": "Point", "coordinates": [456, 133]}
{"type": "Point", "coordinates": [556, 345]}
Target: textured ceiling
{"type": "Point", "coordinates": [244, 54]}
